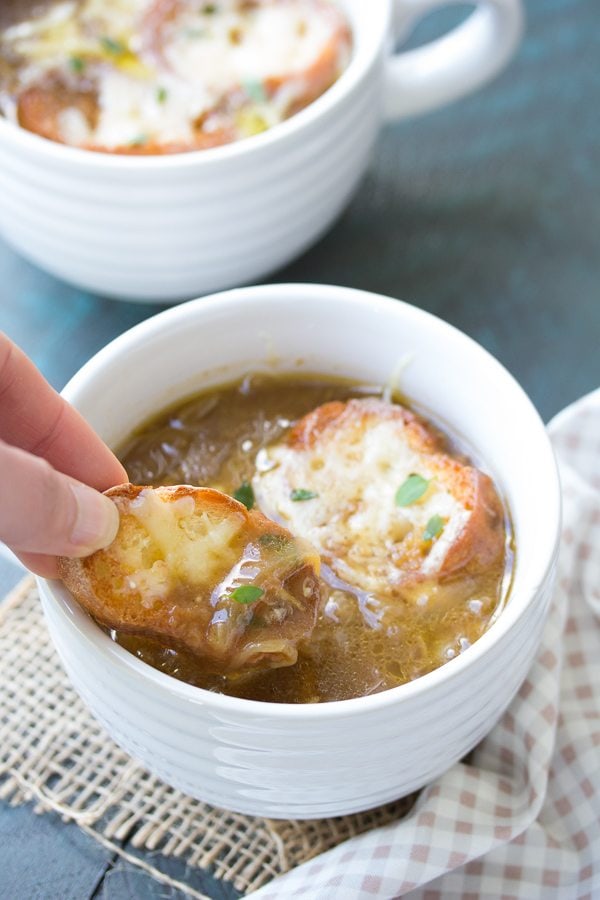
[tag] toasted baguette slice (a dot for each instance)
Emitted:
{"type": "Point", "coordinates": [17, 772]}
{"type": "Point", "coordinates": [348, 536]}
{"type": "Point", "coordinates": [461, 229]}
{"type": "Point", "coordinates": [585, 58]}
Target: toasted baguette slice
{"type": "Point", "coordinates": [196, 570]}
{"type": "Point", "coordinates": [354, 457]}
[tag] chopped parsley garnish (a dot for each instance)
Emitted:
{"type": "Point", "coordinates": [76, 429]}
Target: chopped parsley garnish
{"type": "Point", "coordinates": [247, 593]}
{"type": "Point", "coordinates": [255, 90]}
{"type": "Point", "coordinates": [302, 494]}
{"type": "Point", "coordinates": [245, 494]}
{"type": "Point", "coordinates": [273, 541]}
{"type": "Point", "coordinates": [434, 528]}
{"type": "Point", "coordinates": [77, 64]}
{"type": "Point", "coordinates": [412, 490]}
{"type": "Point", "coordinates": [209, 9]}
{"type": "Point", "coordinates": [195, 33]}
{"type": "Point", "coordinates": [139, 141]}
{"type": "Point", "coordinates": [115, 48]}
{"type": "Point", "coordinates": [161, 94]}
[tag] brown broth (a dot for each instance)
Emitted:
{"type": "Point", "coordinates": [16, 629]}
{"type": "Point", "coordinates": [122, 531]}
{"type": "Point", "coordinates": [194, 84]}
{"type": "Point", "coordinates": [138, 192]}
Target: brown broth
{"type": "Point", "coordinates": [361, 644]}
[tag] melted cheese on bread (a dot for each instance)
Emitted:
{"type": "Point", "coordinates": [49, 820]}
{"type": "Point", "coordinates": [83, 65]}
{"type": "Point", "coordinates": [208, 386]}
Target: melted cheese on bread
{"type": "Point", "coordinates": [336, 481]}
{"type": "Point", "coordinates": [173, 73]}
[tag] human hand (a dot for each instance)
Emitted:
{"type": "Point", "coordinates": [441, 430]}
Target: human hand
{"type": "Point", "coordinates": [52, 468]}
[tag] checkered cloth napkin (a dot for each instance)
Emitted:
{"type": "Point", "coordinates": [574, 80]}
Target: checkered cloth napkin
{"type": "Point", "coordinates": [522, 819]}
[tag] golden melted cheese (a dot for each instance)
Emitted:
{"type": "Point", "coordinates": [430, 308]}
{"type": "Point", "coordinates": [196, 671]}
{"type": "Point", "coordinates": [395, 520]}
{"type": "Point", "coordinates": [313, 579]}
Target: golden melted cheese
{"type": "Point", "coordinates": [194, 546]}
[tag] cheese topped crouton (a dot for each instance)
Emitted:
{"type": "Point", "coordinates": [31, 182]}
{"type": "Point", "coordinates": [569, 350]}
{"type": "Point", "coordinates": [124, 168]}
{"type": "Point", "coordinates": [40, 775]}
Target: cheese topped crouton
{"type": "Point", "coordinates": [371, 485]}
{"type": "Point", "coordinates": [194, 568]}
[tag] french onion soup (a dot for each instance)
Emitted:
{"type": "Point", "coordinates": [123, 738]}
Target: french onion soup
{"type": "Point", "coordinates": [362, 547]}
{"type": "Point", "coordinates": [167, 76]}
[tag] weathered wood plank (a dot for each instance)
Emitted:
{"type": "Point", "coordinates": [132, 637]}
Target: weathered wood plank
{"type": "Point", "coordinates": [42, 858]}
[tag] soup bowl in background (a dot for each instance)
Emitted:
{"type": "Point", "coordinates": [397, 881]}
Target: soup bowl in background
{"type": "Point", "coordinates": [305, 761]}
{"type": "Point", "coordinates": [161, 228]}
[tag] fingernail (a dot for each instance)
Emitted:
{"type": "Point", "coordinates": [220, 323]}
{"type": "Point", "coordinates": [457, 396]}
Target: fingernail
{"type": "Point", "coordinates": [97, 520]}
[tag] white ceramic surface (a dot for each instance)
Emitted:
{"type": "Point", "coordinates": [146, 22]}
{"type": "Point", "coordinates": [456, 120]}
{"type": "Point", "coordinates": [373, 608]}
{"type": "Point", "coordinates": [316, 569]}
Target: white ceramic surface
{"type": "Point", "coordinates": [165, 228]}
{"type": "Point", "coordinates": [317, 760]}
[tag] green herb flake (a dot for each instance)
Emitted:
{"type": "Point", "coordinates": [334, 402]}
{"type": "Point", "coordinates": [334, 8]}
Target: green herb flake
{"type": "Point", "coordinates": [193, 33]}
{"type": "Point", "coordinates": [115, 48]}
{"type": "Point", "coordinates": [209, 9]}
{"type": "Point", "coordinates": [299, 494]}
{"type": "Point", "coordinates": [245, 494]}
{"type": "Point", "coordinates": [255, 90]}
{"type": "Point", "coordinates": [247, 593]}
{"type": "Point", "coordinates": [273, 541]}
{"type": "Point", "coordinates": [161, 94]}
{"type": "Point", "coordinates": [412, 490]}
{"type": "Point", "coordinates": [434, 528]}
{"type": "Point", "coordinates": [76, 64]}
{"type": "Point", "coordinates": [139, 141]}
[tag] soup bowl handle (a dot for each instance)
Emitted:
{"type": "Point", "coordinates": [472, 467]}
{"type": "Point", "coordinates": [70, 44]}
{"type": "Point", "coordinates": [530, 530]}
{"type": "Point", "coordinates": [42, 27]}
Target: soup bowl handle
{"type": "Point", "coordinates": [446, 69]}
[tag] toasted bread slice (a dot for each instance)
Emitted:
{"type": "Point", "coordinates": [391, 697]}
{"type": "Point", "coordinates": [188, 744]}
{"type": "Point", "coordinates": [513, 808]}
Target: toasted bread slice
{"type": "Point", "coordinates": [195, 569]}
{"type": "Point", "coordinates": [341, 481]}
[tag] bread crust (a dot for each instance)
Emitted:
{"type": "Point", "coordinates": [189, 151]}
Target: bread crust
{"type": "Point", "coordinates": [167, 577]}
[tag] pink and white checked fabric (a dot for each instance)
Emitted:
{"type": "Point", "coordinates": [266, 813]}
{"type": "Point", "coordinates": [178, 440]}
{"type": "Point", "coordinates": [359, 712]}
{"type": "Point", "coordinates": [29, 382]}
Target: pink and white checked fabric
{"type": "Point", "coordinates": [522, 820]}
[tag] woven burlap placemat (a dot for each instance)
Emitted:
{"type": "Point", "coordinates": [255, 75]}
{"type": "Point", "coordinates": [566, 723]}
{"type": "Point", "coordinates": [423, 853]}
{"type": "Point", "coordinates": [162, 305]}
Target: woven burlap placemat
{"type": "Point", "coordinates": [53, 752]}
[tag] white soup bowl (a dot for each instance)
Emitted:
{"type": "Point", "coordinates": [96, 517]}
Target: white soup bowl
{"type": "Point", "coordinates": [305, 761]}
{"type": "Point", "coordinates": [162, 228]}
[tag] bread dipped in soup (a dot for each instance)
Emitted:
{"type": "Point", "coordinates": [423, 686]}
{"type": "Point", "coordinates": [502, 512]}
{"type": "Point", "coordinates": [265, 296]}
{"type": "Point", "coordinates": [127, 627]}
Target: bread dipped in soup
{"type": "Point", "coordinates": [194, 568]}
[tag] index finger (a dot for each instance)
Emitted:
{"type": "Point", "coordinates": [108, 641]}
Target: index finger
{"type": "Point", "coordinates": [34, 417]}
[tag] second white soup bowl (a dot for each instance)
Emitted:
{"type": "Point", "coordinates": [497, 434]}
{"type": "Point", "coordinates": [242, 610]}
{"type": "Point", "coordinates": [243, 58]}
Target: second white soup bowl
{"type": "Point", "coordinates": [168, 227]}
{"type": "Point", "coordinates": [305, 761]}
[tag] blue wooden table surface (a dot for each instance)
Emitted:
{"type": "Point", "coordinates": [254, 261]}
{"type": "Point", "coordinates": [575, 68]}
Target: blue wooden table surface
{"type": "Point", "coordinates": [487, 214]}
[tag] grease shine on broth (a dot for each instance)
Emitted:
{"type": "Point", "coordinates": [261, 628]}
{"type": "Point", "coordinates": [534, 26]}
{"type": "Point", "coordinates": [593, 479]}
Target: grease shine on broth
{"type": "Point", "coordinates": [250, 440]}
{"type": "Point", "coordinates": [165, 76]}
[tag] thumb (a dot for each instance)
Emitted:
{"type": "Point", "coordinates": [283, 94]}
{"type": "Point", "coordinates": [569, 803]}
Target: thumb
{"type": "Point", "coordinates": [45, 512]}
